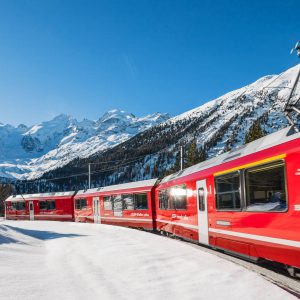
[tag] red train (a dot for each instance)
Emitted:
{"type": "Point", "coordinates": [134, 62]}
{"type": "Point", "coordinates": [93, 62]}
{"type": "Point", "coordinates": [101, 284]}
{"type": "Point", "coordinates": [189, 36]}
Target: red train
{"type": "Point", "coordinates": [129, 204]}
{"type": "Point", "coordinates": [47, 206]}
{"type": "Point", "coordinates": [245, 202]}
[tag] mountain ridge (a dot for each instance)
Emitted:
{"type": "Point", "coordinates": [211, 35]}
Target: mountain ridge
{"type": "Point", "coordinates": [28, 152]}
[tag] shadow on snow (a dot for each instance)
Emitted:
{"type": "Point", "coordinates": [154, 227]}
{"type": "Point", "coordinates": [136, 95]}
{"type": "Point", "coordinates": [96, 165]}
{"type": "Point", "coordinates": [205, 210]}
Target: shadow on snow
{"type": "Point", "coordinates": [38, 234]}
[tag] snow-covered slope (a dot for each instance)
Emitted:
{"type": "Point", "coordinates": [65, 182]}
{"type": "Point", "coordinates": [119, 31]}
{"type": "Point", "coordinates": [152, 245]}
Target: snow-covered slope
{"type": "Point", "coordinates": [27, 152]}
{"type": "Point", "coordinates": [64, 260]}
{"type": "Point", "coordinates": [236, 110]}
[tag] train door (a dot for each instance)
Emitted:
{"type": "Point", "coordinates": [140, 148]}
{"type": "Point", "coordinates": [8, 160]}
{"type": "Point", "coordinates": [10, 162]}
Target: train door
{"type": "Point", "coordinates": [31, 211]}
{"type": "Point", "coordinates": [202, 212]}
{"type": "Point", "coordinates": [96, 209]}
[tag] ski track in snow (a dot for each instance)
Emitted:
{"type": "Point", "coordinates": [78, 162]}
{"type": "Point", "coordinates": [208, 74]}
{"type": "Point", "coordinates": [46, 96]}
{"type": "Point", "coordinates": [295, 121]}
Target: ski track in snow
{"type": "Point", "coordinates": [55, 260]}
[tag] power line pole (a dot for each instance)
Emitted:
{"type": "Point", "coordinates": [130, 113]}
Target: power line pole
{"type": "Point", "coordinates": [181, 158]}
{"type": "Point", "coordinates": [292, 107]}
{"type": "Point", "coordinates": [89, 175]}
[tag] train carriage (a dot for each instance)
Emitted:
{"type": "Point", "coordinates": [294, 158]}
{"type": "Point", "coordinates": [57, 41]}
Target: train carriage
{"type": "Point", "coordinates": [129, 204]}
{"type": "Point", "coordinates": [44, 206]}
{"type": "Point", "coordinates": [245, 201]}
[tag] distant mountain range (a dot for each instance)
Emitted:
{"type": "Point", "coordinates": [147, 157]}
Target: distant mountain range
{"type": "Point", "coordinates": [29, 152]}
{"type": "Point", "coordinates": [118, 138]}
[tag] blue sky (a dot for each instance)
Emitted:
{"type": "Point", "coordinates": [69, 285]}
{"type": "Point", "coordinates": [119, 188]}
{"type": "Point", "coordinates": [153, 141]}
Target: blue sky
{"type": "Point", "coordinates": [85, 57]}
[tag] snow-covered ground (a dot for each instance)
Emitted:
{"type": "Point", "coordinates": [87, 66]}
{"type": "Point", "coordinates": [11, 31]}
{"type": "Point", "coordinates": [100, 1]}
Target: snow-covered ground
{"type": "Point", "coordinates": [53, 260]}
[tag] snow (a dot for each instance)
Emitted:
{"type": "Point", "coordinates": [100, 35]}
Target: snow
{"type": "Point", "coordinates": [53, 260]}
{"type": "Point", "coordinates": [27, 153]}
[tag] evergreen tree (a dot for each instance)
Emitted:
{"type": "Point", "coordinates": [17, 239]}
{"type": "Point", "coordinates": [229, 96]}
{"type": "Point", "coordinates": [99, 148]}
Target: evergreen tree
{"type": "Point", "coordinates": [192, 154]}
{"type": "Point", "coordinates": [202, 154]}
{"type": "Point", "coordinates": [255, 132]}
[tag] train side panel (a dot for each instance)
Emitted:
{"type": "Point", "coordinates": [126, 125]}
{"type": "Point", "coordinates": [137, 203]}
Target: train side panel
{"type": "Point", "coordinates": [130, 216]}
{"type": "Point", "coordinates": [268, 229]}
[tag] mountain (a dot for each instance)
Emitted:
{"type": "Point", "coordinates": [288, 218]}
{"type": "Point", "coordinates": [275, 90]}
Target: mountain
{"type": "Point", "coordinates": [215, 127]}
{"type": "Point", "coordinates": [29, 152]}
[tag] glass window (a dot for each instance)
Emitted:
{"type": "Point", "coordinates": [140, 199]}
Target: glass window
{"type": "Point", "coordinates": [201, 199]}
{"type": "Point", "coordinates": [178, 197]}
{"type": "Point", "coordinates": [141, 201]}
{"type": "Point", "coordinates": [51, 205]}
{"type": "Point", "coordinates": [228, 191]}
{"type": "Point", "coordinates": [117, 200]}
{"type": "Point", "coordinates": [128, 202]}
{"type": "Point", "coordinates": [108, 205]}
{"type": "Point", "coordinates": [42, 205]}
{"type": "Point", "coordinates": [265, 188]}
{"type": "Point", "coordinates": [163, 199]}
{"type": "Point", "coordinates": [79, 204]}
{"type": "Point", "coordinates": [174, 198]}
{"type": "Point", "coordinates": [18, 205]}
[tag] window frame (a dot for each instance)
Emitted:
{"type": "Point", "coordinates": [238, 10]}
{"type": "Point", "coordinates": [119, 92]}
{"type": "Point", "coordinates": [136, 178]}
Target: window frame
{"type": "Point", "coordinates": [123, 201]}
{"type": "Point", "coordinates": [135, 201]}
{"type": "Point", "coordinates": [240, 190]}
{"type": "Point", "coordinates": [18, 208]}
{"type": "Point", "coordinates": [47, 205]}
{"type": "Point", "coordinates": [80, 201]}
{"type": "Point", "coordinates": [111, 203]}
{"type": "Point", "coordinates": [245, 196]}
{"type": "Point", "coordinates": [167, 191]}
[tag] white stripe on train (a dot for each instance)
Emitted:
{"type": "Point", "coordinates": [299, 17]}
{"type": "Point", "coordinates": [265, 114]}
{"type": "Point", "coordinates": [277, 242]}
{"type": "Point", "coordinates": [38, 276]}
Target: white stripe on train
{"type": "Point", "coordinates": [261, 238]}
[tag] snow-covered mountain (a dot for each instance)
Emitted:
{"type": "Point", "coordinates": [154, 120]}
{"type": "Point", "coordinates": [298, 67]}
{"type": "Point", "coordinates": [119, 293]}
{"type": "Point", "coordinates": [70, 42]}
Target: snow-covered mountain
{"type": "Point", "coordinates": [217, 126]}
{"type": "Point", "coordinates": [28, 152]}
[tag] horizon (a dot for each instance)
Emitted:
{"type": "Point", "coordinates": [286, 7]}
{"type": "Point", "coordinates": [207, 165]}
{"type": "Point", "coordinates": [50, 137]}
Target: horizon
{"type": "Point", "coordinates": [140, 56]}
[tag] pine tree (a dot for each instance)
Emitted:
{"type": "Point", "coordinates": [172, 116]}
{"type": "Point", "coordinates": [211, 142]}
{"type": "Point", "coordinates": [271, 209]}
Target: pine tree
{"type": "Point", "coordinates": [192, 154]}
{"type": "Point", "coordinates": [202, 154]}
{"type": "Point", "coordinates": [255, 132]}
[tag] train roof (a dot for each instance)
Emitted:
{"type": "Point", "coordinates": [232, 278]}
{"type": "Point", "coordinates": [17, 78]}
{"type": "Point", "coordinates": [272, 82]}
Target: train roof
{"type": "Point", "coordinates": [28, 197]}
{"type": "Point", "coordinates": [282, 136]}
{"type": "Point", "coordinates": [124, 186]}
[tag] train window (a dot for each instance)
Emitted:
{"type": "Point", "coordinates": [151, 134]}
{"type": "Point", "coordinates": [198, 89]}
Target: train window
{"type": "Point", "coordinates": [117, 200]}
{"type": "Point", "coordinates": [265, 188]}
{"type": "Point", "coordinates": [117, 205]}
{"type": "Point", "coordinates": [141, 201]}
{"type": "Point", "coordinates": [18, 205]}
{"type": "Point", "coordinates": [201, 199]}
{"type": "Point", "coordinates": [128, 202]}
{"type": "Point", "coordinates": [228, 192]}
{"type": "Point", "coordinates": [42, 205]}
{"type": "Point", "coordinates": [51, 205]}
{"type": "Point", "coordinates": [178, 197]}
{"type": "Point", "coordinates": [77, 203]}
{"type": "Point", "coordinates": [80, 204]}
{"type": "Point", "coordinates": [108, 205]}
{"type": "Point", "coordinates": [174, 198]}
{"type": "Point", "coordinates": [163, 199]}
